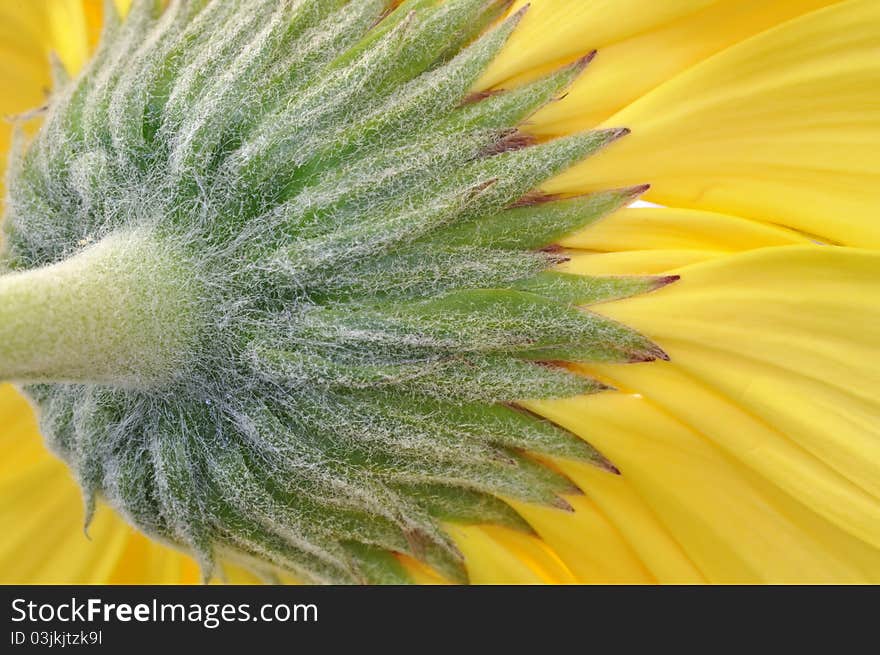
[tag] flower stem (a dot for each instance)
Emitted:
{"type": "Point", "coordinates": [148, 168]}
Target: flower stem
{"type": "Point", "coordinates": [119, 312]}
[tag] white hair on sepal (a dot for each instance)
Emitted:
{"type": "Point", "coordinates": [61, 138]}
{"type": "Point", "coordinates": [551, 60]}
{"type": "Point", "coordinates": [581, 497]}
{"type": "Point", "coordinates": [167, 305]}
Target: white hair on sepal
{"type": "Point", "coordinates": [325, 267]}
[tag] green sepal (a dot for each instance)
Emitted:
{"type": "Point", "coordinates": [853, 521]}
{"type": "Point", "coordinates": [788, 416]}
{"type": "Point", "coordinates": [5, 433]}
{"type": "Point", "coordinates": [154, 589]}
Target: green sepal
{"type": "Point", "coordinates": [240, 532]}
{"type": "Point", "coordinates": [406, 448]}
{"type": "Point", "coordinates": [378, 566]}
{"type": "Point", "coordinates": [369, 246]}
{"type": "Point", "coordinates": [57, 72]}
{"type": "Point", "coordinates": [513, 174]}
{"type": "Point", "coordinates": [503, 425]}
{"type": "Point", "coordinates": [573, 289]}
{"type": "Point", "coordinates": [502, 108]}
{"type": "Point", "coordinates": [516, 428]}
{"type": "Point", "coordinates": [535, 226]}
{"type": "Point", "coordinates": [415, 272]}
{"type": "Point", "coordinates": [486, 321]}
{"type": "Point", "coordinates": [441, 30]}
{"type": "Point", "coordinates": [420, 102]}
{"type": "Point", "coordinates": [324, 522]}
{"type": "Point", "coordinates": [172, 457]}
{"type": "Point", "coordinates": [134, 483]}
{"type": "Point", "coordinates": [457, 505]}
{"type": "Point", "coordinates": [133, 30]}
{"type": "Point", "coordinates": [405, 12]}
{"type": "Point", "coordinates": [56, 417]}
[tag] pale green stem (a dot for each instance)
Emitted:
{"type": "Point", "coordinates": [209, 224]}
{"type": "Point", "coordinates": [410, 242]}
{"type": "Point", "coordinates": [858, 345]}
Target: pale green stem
{"type": "Point", "coordinates": [119, 312]}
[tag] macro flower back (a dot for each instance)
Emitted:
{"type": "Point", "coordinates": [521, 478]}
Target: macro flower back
{"type": "Point", "coordinates": [278, 280]}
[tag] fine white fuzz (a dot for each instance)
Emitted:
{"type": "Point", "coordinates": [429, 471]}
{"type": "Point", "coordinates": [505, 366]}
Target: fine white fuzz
{"type": "Point", "coordinates": [336, 283]}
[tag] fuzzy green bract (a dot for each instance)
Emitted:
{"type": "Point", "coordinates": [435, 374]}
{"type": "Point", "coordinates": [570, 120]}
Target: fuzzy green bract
{"type": "Point", "coordinates": [370, 277]}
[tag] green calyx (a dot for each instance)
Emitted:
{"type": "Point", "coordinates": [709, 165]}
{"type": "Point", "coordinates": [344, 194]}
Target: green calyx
{"type": "Point", "coordinates": [277, 282]}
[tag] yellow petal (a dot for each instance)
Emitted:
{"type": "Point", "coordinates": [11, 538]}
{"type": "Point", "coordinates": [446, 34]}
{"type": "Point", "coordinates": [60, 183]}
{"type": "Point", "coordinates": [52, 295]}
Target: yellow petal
{"type": "Point", "coordinates": [782, 127]}
{"type": "Point", "coordinates": [41, 516]}
{"type": "Point", "coordinates": [727, 522]}
{"type": "Point", "coordinates": [68, 30]}
{"type": "Point", "coordinates": [643, 530]}
{"type": "Point", "coordinates": [836, 425]}
{"type": "Point", "coordinates": [696, 501]}
{"type": "Point", "coordinates": [591, 546]}
{"type": "Point", "coordinates": [773, 359]}
{"type": "Point", "coordinates": [628, 69]}
{"type": "Point", "coordinates": [766, 452]}
{"type": "Point", "coordinates": [809, 310]}
{"type": "Point", "coordinates": [29, 31]}
{"type": "Point", "coordinates": [94, 14]}
{"type": "Point", "coordinates": [142, 561]}
{"type": "Point", "coordinates": [635, 262]}
{"type": "Point", "coordinates": [554, 30]}
{"type": "Point", "coordinates": [420, 573]}
{"type": "Point", "coordinates": [122, 6]}
{"type": "Point", "coordinates": [661, 228]}
{"type": "Point", "coordinates": [496, 555]}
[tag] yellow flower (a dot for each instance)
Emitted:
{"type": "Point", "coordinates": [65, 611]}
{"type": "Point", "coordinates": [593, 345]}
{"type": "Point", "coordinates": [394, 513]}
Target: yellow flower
{"type": "Point", "coordinates": [754, 454]}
